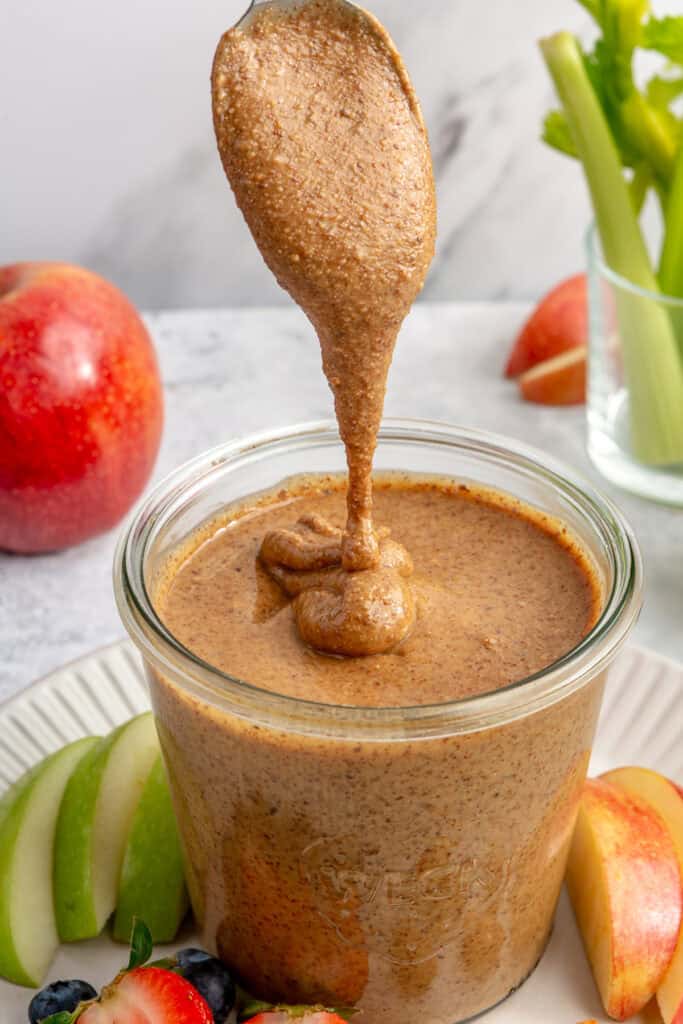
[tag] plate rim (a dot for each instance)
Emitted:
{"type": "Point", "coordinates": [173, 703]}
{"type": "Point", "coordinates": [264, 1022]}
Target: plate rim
{"type": "Point", "coordinates": [583, 1001]}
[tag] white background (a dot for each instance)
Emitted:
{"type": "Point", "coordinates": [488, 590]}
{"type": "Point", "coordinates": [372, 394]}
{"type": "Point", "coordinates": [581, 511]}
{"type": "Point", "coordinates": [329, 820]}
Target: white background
{"type": "Point", "coordinates": [107, 155]}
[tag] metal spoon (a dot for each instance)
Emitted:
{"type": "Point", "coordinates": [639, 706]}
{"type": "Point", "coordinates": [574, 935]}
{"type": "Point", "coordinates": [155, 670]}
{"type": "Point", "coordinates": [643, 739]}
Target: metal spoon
{"type": "Point", "coordinates": [260, 3]}
{"type": "Point", "coordinates": [275, 3]}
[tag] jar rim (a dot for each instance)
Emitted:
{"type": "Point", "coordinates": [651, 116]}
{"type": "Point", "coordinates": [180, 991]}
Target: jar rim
{"type": "Point", "coordinates": [596, 263]}
{"type": "Point", "coordinates": [468, 714]}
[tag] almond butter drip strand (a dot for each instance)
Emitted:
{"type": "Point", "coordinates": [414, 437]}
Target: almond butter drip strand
{"type": "Point", "coordinates": [323, 142]}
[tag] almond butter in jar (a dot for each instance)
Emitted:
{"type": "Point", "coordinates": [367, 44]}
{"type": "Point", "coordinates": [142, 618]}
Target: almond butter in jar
{"type": "Point", "coordinates": [403, 859]}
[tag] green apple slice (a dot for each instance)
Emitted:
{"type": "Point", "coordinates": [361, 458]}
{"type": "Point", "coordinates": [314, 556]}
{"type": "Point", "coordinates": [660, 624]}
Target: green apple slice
{"type": "Point", "coordinates": [28, 819]}
{"type": "Point", "coordinates": [93, 824]}
{"type": "Point", "coordinates": [152, 883]}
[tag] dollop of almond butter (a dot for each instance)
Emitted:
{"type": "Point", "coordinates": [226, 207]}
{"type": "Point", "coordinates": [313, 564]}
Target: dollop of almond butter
{"type": "Point", "coordinates": [337, 611]}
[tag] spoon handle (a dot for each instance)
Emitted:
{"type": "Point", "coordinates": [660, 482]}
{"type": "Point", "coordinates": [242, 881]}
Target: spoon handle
{"type": "Point", "coordinates": [252, 6]}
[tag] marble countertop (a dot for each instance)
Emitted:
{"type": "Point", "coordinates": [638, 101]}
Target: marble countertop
{"type": "Point", "coordinates": [154, 213]}
{"type": "Point", "coordinates": [228, 373]}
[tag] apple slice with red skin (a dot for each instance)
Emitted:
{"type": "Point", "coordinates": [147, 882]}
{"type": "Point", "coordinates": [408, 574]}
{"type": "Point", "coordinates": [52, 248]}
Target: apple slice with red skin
{"type": "Point", "coordinates": [558, 323]}
{"type": "Point", "coordinates": [80, 406]}
{"type": "Point", "coordinates": [625, 887]}
{"type": "Point", "coordinates": [557, 381]}
{"type": "Point", "coordinates": [666, 798]}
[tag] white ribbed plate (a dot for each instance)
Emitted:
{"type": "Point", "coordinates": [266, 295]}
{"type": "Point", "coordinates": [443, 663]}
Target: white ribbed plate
{"type": "Point", "coordinates": [640, 724]}
{"type": "Point", "coordinates": [91, 695]}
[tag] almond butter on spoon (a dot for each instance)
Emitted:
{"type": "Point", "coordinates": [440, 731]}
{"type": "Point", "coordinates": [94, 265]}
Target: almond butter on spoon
{"type": "Point", "coordinates": [322, 139]}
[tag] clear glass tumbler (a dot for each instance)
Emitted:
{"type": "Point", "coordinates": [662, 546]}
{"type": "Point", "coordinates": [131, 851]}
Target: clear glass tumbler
{"type": "Point", "coordinates": [635, 383]}
{"type": "Point", "coordinates": [406, 861]}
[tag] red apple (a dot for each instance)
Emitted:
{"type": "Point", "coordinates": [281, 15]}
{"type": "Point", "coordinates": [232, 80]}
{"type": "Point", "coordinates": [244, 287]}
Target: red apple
{"type": "Point", "coordinates": [559, 323]}
{"type": "Point", "coordinates": [557, 381]}
{"type": "Point", "coordinates": [81, 406]}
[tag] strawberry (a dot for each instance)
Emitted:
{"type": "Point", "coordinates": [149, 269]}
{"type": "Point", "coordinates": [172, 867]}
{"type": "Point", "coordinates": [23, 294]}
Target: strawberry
{"type": "Point", "coordinates": [264, 1013]}
{"type": "Point", "coordinates": [148, 995]}
{"type": "Point", "coordinates": [138, 994]}
{"type": "Point", "coordinates": [301, 1014]}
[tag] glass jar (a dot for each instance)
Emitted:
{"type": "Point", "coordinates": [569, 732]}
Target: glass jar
{"type": "Point", "coordinates": [406, 861]}
{"type": "Point", "coordinates": [635, 383]}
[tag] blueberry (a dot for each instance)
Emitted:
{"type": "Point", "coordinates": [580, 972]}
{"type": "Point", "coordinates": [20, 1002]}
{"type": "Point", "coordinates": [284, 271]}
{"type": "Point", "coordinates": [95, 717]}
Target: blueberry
{"type": "Point", "coordinates": [60, 995]}
{"type": "Point", "coordinates": [185, 957]}
{"type": "Point", "coordinates": [213, 981]}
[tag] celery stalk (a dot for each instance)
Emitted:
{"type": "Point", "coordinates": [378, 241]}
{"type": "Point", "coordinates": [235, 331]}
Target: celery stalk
{"type": "Point", "coordinates": [671, 264]}
{"type": "Point", "coordinates": [651, 133]}
{"type": "Point", "coordinates": [653, 369]}
{"type": "Point", "coordinates": [638, 186]}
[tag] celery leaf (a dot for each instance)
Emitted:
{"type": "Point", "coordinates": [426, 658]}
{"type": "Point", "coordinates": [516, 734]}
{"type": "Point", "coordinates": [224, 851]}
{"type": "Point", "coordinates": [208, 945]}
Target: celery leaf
{"type": "Point", "coordinates": [593, 8]}
{"type": "Point", "coordinates": [665, 36]}
{"type": "Point", "coordinates": [661, 92]}
{"type": "Point", "coordinates": [557, 133]}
